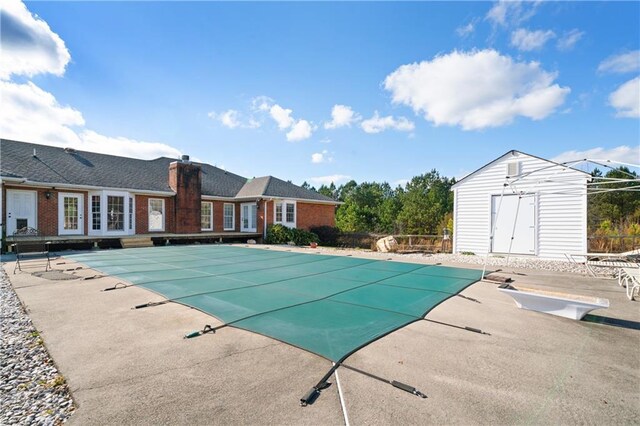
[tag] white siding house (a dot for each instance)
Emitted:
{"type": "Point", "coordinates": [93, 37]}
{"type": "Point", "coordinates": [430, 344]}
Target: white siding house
{"type": "Point", "coordinates": [541, 208]}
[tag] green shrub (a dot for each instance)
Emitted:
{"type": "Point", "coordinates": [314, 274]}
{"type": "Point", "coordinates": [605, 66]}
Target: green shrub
{"type": "Point", "coordinates": [303, 238]}
{"type": "Point", "coordinates": [279, 234]}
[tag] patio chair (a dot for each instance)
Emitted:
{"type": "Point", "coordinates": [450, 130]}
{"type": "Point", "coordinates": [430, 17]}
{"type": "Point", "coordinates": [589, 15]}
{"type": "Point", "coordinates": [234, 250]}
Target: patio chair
{"type": "Point", "coordinates": [27, 242]}
{"type": "Point", "coordinates": [630, 278]}
{"type": "Point", "coordinates": [612, 261]}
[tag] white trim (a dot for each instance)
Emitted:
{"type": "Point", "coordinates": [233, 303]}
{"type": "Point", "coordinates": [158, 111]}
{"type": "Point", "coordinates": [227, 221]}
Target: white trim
{"type": "Point", "coordinates": [284, 221]}
{"type": "Point", "coordinates": [233, 217]}
{"type": "Point", "coordinates": [35, 208]}
{"type": "Point", "coordinates": [164, 215]}
{"type": "Point", "coordinates": [210, 216]}
{"type": "Point", "coordinates": [55, 185]}
{"type": "Point", "coordinates": [80, 198]}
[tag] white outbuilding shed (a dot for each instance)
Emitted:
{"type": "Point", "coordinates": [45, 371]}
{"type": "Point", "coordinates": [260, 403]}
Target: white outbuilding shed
{"type": "Point", "coordinates": [533, 207]}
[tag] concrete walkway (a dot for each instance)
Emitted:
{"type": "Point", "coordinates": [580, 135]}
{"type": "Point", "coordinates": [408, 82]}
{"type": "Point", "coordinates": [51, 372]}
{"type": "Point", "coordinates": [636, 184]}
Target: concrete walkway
{"type": "Point", "coordinates": [129, 366]}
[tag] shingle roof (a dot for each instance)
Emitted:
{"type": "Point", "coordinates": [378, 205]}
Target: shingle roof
{"type": "Point", "coordinates": [269, 186]}
{"type": "Point", "coordinates": [57, 165]}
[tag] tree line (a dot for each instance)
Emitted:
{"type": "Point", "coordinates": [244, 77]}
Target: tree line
{"type": "Point", "coordinates": [423, 206]}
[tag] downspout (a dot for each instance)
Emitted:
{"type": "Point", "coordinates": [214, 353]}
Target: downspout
{"type": "Point", "coordinates": [264, 222]}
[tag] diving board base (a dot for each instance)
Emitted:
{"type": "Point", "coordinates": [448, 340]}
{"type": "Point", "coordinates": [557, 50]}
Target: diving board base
{"type": "Point", "coordinates": [560, 304]}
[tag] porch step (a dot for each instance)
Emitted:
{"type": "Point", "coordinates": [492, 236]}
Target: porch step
{"type": "Point", "coordinates": [136, 242]}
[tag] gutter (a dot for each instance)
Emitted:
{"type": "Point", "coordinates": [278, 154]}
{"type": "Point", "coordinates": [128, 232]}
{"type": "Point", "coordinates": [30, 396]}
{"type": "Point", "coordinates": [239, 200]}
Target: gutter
{"type": "Point", "coordinates": [26, 182]}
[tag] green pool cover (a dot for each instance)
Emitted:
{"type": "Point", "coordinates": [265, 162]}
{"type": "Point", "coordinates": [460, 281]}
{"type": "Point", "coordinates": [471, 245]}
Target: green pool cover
{"type": "Point", "coordinates": [329, 305]}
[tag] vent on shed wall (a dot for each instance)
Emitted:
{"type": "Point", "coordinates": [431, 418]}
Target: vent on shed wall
{"type": "Point", "coordinates": [513, 168]}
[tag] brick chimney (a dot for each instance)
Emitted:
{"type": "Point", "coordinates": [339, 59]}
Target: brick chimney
{"type": "Point", "coordinates": [185, 180]}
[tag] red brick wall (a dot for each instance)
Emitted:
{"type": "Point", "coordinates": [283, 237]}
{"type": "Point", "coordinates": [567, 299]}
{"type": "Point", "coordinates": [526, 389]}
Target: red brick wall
{"type": "Point", "coordinates": [310, 215]}
{"type": "Point", "coordinates": [47, 209]}
{"type": "Point", "coordinates": [218, 217]}
{"type": "Point", "coordinates": [185, 179]}
{"type": "Point", "coordinates": [142, 214]}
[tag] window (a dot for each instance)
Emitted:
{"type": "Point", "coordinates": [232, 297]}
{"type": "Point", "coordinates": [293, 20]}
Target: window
{"type": "Point", "coordinates": [130, 213]}
{"type": "Point", "coordinates": [229, 217]}
{"type": "Point", "coordinates": [206, 215]}
{"type": "Point", "coordinates": [110, 213]}
{"type": "Point", "coordinates": [291, 218]}
{"type": "Point", "coordinates": [156, 214]}
{"type": "Point", "coordinates": [285, 213]}
{"type": "Point", "coordinates": [96, 222]}
{"type": "Point", "coordinates": [115, 213]}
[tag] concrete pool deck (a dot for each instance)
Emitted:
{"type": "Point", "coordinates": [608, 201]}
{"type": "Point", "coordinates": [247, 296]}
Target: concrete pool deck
{"type": "Point", "coordinates": [133, 366]}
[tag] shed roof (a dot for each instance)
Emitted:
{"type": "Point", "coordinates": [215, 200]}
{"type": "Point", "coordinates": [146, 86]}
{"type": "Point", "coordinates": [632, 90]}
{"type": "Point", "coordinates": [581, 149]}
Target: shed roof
{"type": "Point", "coordinates": [511, 153]}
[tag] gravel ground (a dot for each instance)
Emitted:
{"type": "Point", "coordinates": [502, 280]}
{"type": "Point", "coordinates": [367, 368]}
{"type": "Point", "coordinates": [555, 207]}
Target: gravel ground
{"type": "Point", "coordinates": [32, 391]}
{"type": "Point", "coordinates": [492, 261]}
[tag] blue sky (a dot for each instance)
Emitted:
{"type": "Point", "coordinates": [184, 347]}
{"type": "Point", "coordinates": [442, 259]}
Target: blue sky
{"type": "Point", "coordinates": [251, 86]}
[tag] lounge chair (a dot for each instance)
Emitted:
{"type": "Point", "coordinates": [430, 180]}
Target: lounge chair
{"type": "Point", "coordinates": [29, 242]}
{"type": "Point", "coordinates": [613, 261]}
{"type": "Point", "coordinates": [630, 278]}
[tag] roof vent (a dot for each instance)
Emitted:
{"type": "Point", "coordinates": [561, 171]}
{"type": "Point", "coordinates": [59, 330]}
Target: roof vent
{"type": "Point", "coordinates": [69, 150]}
{"type": "Point", "coordinates": [513, 169]}
{"type": "Point", "coordinates": [184, 158]}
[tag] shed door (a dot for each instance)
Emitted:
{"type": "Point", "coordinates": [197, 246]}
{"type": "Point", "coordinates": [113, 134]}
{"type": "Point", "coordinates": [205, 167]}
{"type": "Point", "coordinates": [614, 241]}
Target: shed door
{"type": "Point", "coordinates": [517, 219]}
{"type": "Point", "coordinates": [21, 210]}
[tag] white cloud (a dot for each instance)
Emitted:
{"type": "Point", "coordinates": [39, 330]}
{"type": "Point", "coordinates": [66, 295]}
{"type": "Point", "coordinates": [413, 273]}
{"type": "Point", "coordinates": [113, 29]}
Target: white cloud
{"type": "Point", "coordinates": [233, 119]}
{"type": "Point", "coordinates": [92, 141]}
{"type": "Point", "coordinates": [377, 124]}
{"type": "Point", "coordinates": [621, 153]}
{"type": "Point", "coordinates": [465, 30]}
{"type": "Point", "coordinates": [31, 114]}
{"type": "Point", "coordinates": [29, 47]}
{"type": "Point", "coordinates": [281, 116]}
{"type": "Point", "coordinates": [261, 103]}
{"type": "Point", "coordinates": [626, 99]}
{"type": "Point", "coordinates": [298, 129]}
{"type": "Point", "coordinates": [341, 115]}
{"type": "Point", "coordinates": [321, 157]}
{"type": "Point", "coordinates": [526, 40]}
{"type": "Point", "coordinates": [325, 140]}
{"type": "Point", "coordinates": [509, 12]}
{"type": "Point", "coordinates": [569, 39]}
{"type": "Point", "coordinates": [476, 90]}
{"type": "Point", "coordinates": [621, 63]}
{"type": "Point", "coordinates": [327, 180]}
{"type": "Point", "coordinates": [301, 130]}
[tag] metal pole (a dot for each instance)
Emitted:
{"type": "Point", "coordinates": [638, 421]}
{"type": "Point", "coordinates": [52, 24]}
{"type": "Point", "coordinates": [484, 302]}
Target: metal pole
{"type": "Point", "coordinates": [513, 229]}
{"type": "Point", "coordinates": [493, 228]}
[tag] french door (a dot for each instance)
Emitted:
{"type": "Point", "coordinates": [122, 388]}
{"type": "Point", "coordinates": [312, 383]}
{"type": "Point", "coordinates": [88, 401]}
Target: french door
{"type": "Point", "coordinates": [248, 217]}
{"type": "Point", "coordinates": [70, 214]}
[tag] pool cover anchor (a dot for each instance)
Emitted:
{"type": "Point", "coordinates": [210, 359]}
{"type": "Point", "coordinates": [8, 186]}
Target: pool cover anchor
{"type": "Point", "coordinates": [147, 305]}
{"type": "Point", "coordinates": [206, 329]}
{"type": "Point", "coordinates": [465, 328]}
{"type": "Point", "coordinates": [471, 299]}
{"type": "Point", "coordinates": [313, 394]}
{"type": "Point", "coordinates": [118, 286]}
{"type": "Point", "coordinates": [402, 386]}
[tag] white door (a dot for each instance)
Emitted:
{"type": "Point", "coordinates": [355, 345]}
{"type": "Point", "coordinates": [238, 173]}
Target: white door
{"type": "Point", "coordinates": [517, 221]}
{"type": "Point", "coordinates": [248, 217]}
{"type": "Point", "coordinates": [70, 214]}
{"type": "Point", "coordinates": [21, 210]}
